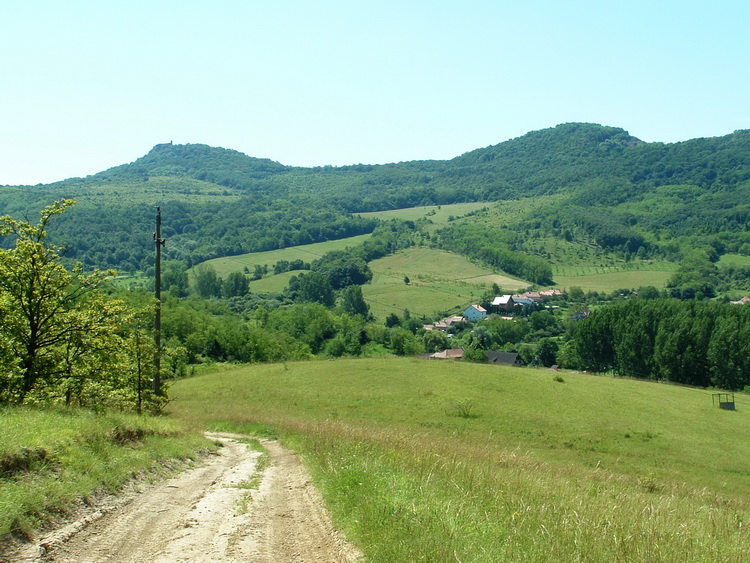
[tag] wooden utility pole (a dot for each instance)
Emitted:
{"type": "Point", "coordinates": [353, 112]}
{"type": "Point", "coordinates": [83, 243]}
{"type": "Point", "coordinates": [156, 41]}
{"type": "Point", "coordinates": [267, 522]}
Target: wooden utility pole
{"type": "Point", "coordinates": [159, 242]}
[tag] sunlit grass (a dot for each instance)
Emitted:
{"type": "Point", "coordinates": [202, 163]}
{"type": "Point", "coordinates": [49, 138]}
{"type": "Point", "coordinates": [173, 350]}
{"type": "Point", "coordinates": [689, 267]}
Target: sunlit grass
{"type": "Point", "coordinates": [50, 458]}
{"type": "Point", "coordinates": [437, 214]}
{"type": "Point", "coordinates": [439, 282]}
{"type": "Point", "coordinates": [587, 469]}
{"type": "Point", "coordinates": [595, 279]}
{"type": "Point", "coordinates": [306, 253]}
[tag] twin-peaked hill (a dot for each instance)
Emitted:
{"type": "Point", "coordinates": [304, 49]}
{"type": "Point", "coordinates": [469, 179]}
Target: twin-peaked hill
{"type": "Point", "coordinates": [611, 190]}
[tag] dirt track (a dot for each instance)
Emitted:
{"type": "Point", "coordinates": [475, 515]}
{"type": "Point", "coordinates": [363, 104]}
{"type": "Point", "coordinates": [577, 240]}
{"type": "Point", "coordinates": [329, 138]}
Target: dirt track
{"type": "Point", "coordinates": [208, 513]}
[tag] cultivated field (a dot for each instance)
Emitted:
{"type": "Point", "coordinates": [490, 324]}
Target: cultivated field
{"type": "Point", "coordinates": [443, 461]}
{"type": "Point", "coordinates": [595, 279]}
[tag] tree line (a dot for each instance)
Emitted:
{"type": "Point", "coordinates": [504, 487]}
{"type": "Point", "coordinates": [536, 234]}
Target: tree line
{"type": "Point", "coordinates": [700, 343]}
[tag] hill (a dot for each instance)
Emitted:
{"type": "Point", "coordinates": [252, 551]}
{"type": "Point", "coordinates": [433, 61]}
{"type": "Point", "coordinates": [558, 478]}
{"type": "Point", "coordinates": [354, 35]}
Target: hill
{"type": "Point", "coordinates": [605, 190]}
{"type": "Point", "coordinates": [489, 463]}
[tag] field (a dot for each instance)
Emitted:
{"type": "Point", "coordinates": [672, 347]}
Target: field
{"type": "Point", "coordinates": [440, 282]}
{"type": "Point", "coordinates": [443, 461]}
{"type": "Point", "coordinates": [437, 214]}
{"type": "Point", "coordinates": [444, 282]}
{"type": "Point", "coordinates": [306, 253]}
{"type": "Point", "coordinates": [734, 260]}
{"type": "Point", "coordinates": [599, 279]}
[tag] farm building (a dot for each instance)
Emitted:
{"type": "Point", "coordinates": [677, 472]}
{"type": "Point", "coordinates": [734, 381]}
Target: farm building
{"type": "Point", "coordinates": [503, 303]}
{"type": "Point", "coordinates": [449, 354]}
{"type": "Point", "coordinates": [504, 358]}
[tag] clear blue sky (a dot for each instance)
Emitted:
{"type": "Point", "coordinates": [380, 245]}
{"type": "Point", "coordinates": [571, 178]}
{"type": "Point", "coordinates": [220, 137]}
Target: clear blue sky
{"type": "Point", "coordinates": [87, 85]}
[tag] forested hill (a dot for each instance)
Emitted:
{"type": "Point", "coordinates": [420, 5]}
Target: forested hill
{"type": "Point", "coordinates": [221, 202]}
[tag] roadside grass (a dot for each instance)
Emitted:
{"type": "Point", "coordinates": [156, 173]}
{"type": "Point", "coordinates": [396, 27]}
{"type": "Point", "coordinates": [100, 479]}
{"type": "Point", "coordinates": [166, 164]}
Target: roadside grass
{"type": "Point", "coordinates": [50, 458]}
{"type": "Point", "coordinates": [592, 469]}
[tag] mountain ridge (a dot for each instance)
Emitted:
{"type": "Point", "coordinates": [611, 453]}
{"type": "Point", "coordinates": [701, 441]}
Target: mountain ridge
{"type": "Point", "coordinates": [221, 202]}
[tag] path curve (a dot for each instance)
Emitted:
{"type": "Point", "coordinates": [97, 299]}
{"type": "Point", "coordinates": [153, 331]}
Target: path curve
{"type": "Point", "coordinates": [229, 509]}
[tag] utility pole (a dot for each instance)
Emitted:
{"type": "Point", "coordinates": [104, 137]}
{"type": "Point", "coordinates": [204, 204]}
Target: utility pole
{"type": "Point", "coordinates": [159, 242]}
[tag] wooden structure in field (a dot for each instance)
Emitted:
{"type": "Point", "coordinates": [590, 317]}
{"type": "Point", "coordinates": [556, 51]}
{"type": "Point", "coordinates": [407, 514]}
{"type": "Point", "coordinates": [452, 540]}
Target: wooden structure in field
{"type": "Point", "coordinates": [725, 400]}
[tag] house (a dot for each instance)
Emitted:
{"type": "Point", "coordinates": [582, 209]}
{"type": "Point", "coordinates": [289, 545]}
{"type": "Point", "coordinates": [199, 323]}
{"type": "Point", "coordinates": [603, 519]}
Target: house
{"type": "Point", "coordinates": [475, 313]}
{"type": "Point", "coordinates": [503, 303]}
{"type": "Point", "coordinates": [449, 354]}
{"type": "Point", "coordinates": [580, 315]}
{"type": "Point", "coordinates": [534, 296]}
{"type": "Point", "coordinates": [519, 300]}
{"type": "Point", "coordinates": [551, 293]}
{"type": "Point", "coordinates": [504, 358]}
{"type": "Point", "coordinates": [444, 324]}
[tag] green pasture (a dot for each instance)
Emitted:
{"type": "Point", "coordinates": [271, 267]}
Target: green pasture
{"type": "Point", "coordinates": [450, 461]}
{"type": "Point", "coordinates": [603, 279]}
{"type": "Point", "coordinates": [439, 282]}
{"type": "Point", "coordinates": [734, 260]}
{"type": "Point", "coordinates": [273, 284]}
{"type": "Point", "coordinates": [438, 214]}
{"type": "Point", "coordinates": [307, 253]}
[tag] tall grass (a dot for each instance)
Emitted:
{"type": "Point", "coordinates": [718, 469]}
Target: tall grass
{"type": "Point", "coordinates": [590, 469]}
{"type": "Point", "coordinates": [51, 458]}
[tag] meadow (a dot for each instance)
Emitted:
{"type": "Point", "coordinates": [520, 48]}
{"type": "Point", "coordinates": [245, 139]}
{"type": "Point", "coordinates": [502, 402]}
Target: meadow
{"type": "Point", "coordinates": [306, 253]}
{"type": "Point", "coordinates": [592, 278]}
{"type": "Point", "coordinates": [442, 461]}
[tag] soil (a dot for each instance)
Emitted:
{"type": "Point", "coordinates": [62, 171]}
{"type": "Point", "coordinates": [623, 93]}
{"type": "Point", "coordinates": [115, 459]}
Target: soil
{"type": "Point", "coordinates": [229, 508]}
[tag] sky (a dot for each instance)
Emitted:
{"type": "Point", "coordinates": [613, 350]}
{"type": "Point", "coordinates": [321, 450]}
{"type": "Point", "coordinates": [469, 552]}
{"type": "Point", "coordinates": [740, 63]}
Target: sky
{"type": "Point", "coordinates": [88, 85]}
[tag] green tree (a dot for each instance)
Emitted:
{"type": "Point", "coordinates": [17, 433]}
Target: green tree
{"type": "Point", "coordinates": [404, 343]}
{"type": "Point", "coordinates": [353, 303]}
{"type": "Point", "coordinates": [315, 287]}
{"type": "Point", "coordinates": [236, 285]}
{"type": "Point", "coordinates": [546, 352]}
{"type": "Point", "coordinates": [175, 278]}
{"type": "Point", "coordinates": [343, 268]}
{"type": "Point", "coordinates": [57, 323]}
{"type": "Point", "coordinates": [434, 341]}
{"type": "Point", "coordinates": [207, 283]}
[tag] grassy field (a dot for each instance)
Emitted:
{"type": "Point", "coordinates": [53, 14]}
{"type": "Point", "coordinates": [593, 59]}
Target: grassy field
{"type": "Point", "coordinates": [442, 461]}
{"type": "Point", "coordinates": [49, 458]}
{"type": "Point", "coordinates": [306, 253]}
{"type": "Point", "coordinates": [734, 260]}
{"type": "Point", "coordinates": [437, 214]}
{"type": "Point", "coordinates": [439, 282]}
{"type": "Point", "coordinates": [597, 279]}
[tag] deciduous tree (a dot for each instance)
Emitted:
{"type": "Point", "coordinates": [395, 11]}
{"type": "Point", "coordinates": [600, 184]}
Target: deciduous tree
{"type": "Point", "coordinates": [55, 322]}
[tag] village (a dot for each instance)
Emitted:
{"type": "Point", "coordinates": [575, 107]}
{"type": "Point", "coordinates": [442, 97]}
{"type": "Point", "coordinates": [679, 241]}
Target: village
{"type": "Point", "coordinates": [501, 305]}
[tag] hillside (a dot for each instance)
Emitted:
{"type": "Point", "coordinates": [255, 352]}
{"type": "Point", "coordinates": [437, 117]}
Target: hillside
{"type": "Point", "coordinates": [496, 463]}
{"type": "Point", "coordinates": [612, 191]}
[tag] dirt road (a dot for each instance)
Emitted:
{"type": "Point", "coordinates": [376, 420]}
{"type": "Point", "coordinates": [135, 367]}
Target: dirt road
{"type": "Point", "coordinates": [231, 508]}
